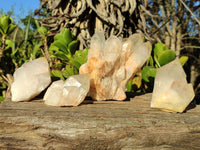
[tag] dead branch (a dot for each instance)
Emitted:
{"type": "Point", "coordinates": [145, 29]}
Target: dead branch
{"type": "Point", "coordinates": [197, 20]}
{"type": "Point", "coordinates": [84, 17]}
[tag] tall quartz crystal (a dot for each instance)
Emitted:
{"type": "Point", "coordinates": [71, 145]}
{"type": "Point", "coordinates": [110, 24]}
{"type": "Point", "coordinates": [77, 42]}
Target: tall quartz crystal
{"type": "Point", "coordinates": [112, 63]}
{"type": "Point", "coordinates": [72, 92]}
{"type": "Point", "coordinates": [171, 91]}
{"type": "Point", "coordinates": [30, 80]}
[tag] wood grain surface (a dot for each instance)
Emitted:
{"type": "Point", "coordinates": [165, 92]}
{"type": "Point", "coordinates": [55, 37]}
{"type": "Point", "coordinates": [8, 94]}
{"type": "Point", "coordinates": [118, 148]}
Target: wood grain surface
{"type": "Point", "coordinates": [97, 125]}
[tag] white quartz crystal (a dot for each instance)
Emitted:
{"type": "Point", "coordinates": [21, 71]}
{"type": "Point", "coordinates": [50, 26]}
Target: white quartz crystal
{"type": "Point", "coordinates": [72, 92]}
{"type": "Point", "coordinates": [30, 80]}
{"type": "Point", "coordinates": [112, 63]}
{"type": "Point", "coordinates": [171, 91]}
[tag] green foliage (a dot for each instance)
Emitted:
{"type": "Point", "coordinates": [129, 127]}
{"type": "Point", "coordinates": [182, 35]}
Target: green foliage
{"type": "Point", "coordinates": [64, 45]}
{"type": "Point", "coordinates": [165, 57]}
{"type": "Point", "coordinates": [159, 48]}
{"type": "Point", "coordinates": [1, 98]}
{"type": "Point", "coordinates": [6, 25]}
{"type": "Point", "coordinates": [57, 73]}
{"type": "Point", "coordinates": [129, 86]}
{"type": "Point", "coordinates": [30, 21]}
{"type": "Point", "coordinates": [79, 58]}
{"type": "Point", "coordinates": [72, 68]}
{"type": "Point", "coordinates": [183, 60]}
{"type": "Point", "coordinates": [15, 51]}
{"type": "Point", "coordinates": [26, 49]}
{"type": "Point", "coordinates": [148, 72]}
{"type": "Point", "coordinates": [42, 31]}
{"type": "Point", "coordinates": [64, 49]}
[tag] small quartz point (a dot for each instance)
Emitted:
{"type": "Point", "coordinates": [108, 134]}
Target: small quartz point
{"type": "Point", "coordinates": [72, 92]}
{"type": "Point", "coordinates": [171, 91]}
{"type": "Point", "coordinates": [112, 63]}
{"type": "Point", "coordinates": [30, 80]}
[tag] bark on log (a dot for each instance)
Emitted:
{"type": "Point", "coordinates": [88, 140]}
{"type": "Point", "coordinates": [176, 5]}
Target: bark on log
{"type": "Point", "coordinates": [130, 124]}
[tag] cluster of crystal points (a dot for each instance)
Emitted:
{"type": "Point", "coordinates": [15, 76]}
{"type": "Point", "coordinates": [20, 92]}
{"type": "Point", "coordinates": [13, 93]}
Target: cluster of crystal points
{"type": "Point", "coordinates": [112, 63]}
{"type": "Point", "coordinates": [30, 80]}
{"type": "Point", "coordinates": [171, 91]}
{"type": "Point", "coordinates": [71, 92]}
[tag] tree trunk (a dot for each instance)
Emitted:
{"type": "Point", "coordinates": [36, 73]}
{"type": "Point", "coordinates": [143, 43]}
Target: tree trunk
{"type": "Point", "coordinates": [130, 124]}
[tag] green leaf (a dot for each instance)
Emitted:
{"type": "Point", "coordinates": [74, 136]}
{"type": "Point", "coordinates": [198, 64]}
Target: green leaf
{"type": "Point", "coordinates": [137, 81]}
{"type": "Point", "coordinates": [53, 48]}
{"type": "Point", "coordinates": [60, 55]}
{"type": "Point", "coordinates": [11, 28]}
{"type": "Point", "coordinates": [75, 63]}
{"type": "Point", "coordinates": [166, 56]}
{"type": "Point", "coordinates": [1, 30]}
{"type": "Point", "coordinates": [81, 56]}
{"type": "Point", "coordinates": [35, 49]}
{"type": "Point", "coordinates": [65, 36]}
{"type": "Point", "coordinates": [42, 31]}
{"type": "Point", "coordinates": [1, 98]}
{"type": "Point", "coordinates": [9, 44]}
{"type": "Point", "coordinates": [69, 71]}
{"type": "Point", "coordinates": [150, 61]}
{"type": "Point", "coordinates": [5, 21]}
{"type": "Point", "coordinates": [129, 86]}
{"type": "Point", "coordinates": [59, 37]}
{"type": "Point", "coordinates": [183, 60]}
{"type": "Point", "coordinates": [58, 65]}
{"type": "Point", "coordinates": [57, 73]}
{"type": "Point", "coordinates": [73, 46]}
{"type": "Point", "coordinates": [61, 46]}
{"type": "Point", "coordinates": [159, 48]}
{"type": "Point", "coordinates": [148, 72]}
{"type": "Point", "coordinates": [157, 64]}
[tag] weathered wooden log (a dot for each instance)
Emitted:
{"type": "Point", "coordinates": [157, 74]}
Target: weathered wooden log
{"type": "Point", "coordinates": [130, 124]}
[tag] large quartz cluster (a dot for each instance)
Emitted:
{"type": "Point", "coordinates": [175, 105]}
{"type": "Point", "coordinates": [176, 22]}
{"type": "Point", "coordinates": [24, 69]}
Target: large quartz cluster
{"type": "Point", "coordinates": [112, 63]}
{"type": "Point", "coordinates": [68, 93]}
{"type": "Point", "coordinates": [30, 80]}
{"type": "Point", "coordinates": [171, 91]}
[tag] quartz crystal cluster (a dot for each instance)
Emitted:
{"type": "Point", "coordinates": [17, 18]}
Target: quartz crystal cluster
{"type": "Point", "coordinates": [68, 93]}
{"type": "Point", "coordinates": [171, 91]}
{"type": "Point", "coordinates": [112, 63]}
{"type": "Point", "coordinates": [30, 80]}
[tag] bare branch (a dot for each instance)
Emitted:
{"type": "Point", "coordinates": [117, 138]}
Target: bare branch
{"type": "Point", "coordinates": [190, 46]}
{"type": "Point", "coordinates": [166, 22]}
{"type": "Point", "coordinates": [189, 33]}
{"type": "Point", "coordinates": [191, 37]}
{"type": "Point", "coordinates": [84, 17]}
{"type": "Point", "coordinates": [190, 12]}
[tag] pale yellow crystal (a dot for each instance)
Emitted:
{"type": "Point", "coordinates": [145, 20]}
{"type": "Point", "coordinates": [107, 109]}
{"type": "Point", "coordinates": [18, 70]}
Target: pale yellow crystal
{"type": "Point", "coordinates": [171, 91]}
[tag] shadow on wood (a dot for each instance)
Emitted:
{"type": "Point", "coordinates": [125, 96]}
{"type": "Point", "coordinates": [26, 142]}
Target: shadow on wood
{"type": "Point", "coordinates": [97, 125]}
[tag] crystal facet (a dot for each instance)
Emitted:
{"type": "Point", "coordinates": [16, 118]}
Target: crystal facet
{"type": "Point", "coordinates": [171, 91]}
{"type": "Point", "coordinates": [72, 92]}
{"type": "Point", "coordinates": [30, 80]}
{"type": "Point", "coordinates": [112, 63]}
